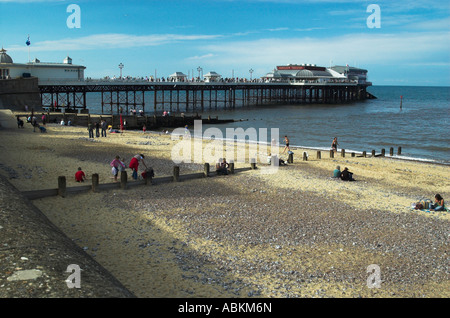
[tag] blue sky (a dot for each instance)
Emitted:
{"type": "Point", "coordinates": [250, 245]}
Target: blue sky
{"type": "Point", "coordinates": [411, 46]}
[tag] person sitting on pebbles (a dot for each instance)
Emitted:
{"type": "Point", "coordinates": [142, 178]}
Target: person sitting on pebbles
{"type": "Point", "coordinates": [438, 203]}
{"type": "Point", "coordinates": [346, 175]}
{"type": "Point", "coordinates": [337, 172]}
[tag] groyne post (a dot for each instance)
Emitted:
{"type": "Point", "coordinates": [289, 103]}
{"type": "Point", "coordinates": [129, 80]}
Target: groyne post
{"type": "Point", "coordinates": [383, 152]}
{"type": "Point", "coordinates": [291, 158]}
{"type": "Point", "coordinates": [399, 151]}
{"type": "Point", "coordinates": [364, 154]}
{"type": "Point", "coordinates": [176, 173]}
{"type": "Point", "coordinates": [331, 154]}
{"type": "Point", "coordinates": [319, 154]}
{"type": "Point", "coordinates": [342, 153]}
{"type": "Point", "coordinates": [305, 156]}
{"type": "Point", "coordinates": [206, 169]}
{"type": "Point", "coordinates": [391, 151]}
{"type": "Point", "coordinates": [253, 163]}
{"type": "Point", "coordinates": [62, 186]}
{"type": "Point", "coordinates": [95, 181]}
{"type": "Point", "coordinates": [123, 180]}
{"type": "Point", "coordinates": [373, 153]}
{"type": "Point", "coordinates": [232, 167]}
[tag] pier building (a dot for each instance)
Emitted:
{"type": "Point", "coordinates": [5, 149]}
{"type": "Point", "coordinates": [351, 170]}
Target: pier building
{"type": "Point", "coordinates": [44, 71]}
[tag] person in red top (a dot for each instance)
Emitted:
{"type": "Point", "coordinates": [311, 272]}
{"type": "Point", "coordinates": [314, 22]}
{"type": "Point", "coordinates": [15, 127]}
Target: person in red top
{"type": "Point", "coordinates": [80, 176]}
{"type": "Point", "coordinates": [134, 164]}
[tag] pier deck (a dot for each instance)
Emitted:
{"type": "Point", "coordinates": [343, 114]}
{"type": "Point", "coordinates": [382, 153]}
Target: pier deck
{"type": "Point", "coordinates": [123, 96]}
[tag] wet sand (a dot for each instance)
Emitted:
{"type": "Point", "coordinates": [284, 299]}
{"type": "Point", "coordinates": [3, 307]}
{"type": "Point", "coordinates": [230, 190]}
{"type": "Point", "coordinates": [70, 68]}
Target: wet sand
{"type": "Point", "coordinates": [293, 233]}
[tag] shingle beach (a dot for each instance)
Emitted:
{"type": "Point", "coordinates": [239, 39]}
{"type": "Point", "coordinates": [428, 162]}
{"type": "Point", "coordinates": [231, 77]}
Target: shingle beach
{"type": "Point", "coordinates": [294, 233]}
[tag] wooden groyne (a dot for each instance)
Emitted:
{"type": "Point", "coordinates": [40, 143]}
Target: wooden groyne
{"type": "Point", "coordinates": [62, 189]}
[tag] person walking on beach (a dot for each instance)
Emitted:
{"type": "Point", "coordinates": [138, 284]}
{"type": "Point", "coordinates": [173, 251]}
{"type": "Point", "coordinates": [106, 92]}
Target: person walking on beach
{"type": "Point", "coordinates": [104, 125]}
{"type": "Point", "coordinates": [334, 144]}
{"type": "Point", "coordinates": [97, 129]}
{"type": "Point", "coordinates": [286, 140]}
{"type": "Point", "coordinates": [134, 165]}
{"type": "Point", "coordinates": [34, 123]}
{"type": "Point", "coordinates": [91, 130]}
{"type": "Point", "coordinates": [117, 165]}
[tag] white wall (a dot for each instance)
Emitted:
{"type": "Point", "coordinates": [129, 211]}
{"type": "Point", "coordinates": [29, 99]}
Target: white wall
{"type": "Point", "coordinates": [46, 73]}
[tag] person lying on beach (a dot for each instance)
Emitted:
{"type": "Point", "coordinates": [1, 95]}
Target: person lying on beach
{"type": "Point", "coordinates": [438, 203]}
{"type": "Point", "coordinates": [337, 172]}
{"type": "Point", "coordinates": [281, 162]}
{"type": "Point", "coordinates": [80, 176]}
{"type": "Point", "coordinates": [346, 175]}
{"type": "Point", "coordinates": [114, 131]}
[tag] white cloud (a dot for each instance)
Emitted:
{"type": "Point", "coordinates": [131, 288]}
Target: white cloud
{"type": "Point", "coordinates": [202, 57]}
{"type": "Point", "coordinates": [111, 41]}
{"type": "Point", "coordinates": [362, 48]}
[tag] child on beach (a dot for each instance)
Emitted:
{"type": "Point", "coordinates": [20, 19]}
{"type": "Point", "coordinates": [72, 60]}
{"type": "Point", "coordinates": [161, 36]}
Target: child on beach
{"type": "Point", "coordinates": [80, 176]}
{"type": "Point", "coordinates": [117, 165]}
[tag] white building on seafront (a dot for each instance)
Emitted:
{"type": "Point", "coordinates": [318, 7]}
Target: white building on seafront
{"type": "Point", "coordinates": [311, 73]}
{"type": "Point", "coordinates": [44, 71]}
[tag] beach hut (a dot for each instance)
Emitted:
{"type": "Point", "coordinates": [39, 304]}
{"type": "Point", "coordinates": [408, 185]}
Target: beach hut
{"type": "Point", "coordinates": [212, 77]}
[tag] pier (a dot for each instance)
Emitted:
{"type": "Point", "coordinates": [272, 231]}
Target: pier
{"type": "Point", "coordinates": [121, 97]}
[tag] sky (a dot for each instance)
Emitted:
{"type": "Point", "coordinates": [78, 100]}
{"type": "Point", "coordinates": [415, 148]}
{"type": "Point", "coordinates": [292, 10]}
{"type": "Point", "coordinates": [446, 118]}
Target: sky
{"type": "Point", "coordinates": [399, 42]}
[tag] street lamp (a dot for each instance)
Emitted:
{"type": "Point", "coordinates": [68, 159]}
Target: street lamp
{"type": "Point", "coordinates": [251, 72]}
{"type": "Point", "coordinates": [199, 69]}
{"type": "Point", "coordinates": [120, 67]}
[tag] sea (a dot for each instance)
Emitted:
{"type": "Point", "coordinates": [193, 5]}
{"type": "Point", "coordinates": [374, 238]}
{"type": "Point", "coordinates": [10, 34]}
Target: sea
{"type": "Point", "coordinates": [417, 119]}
